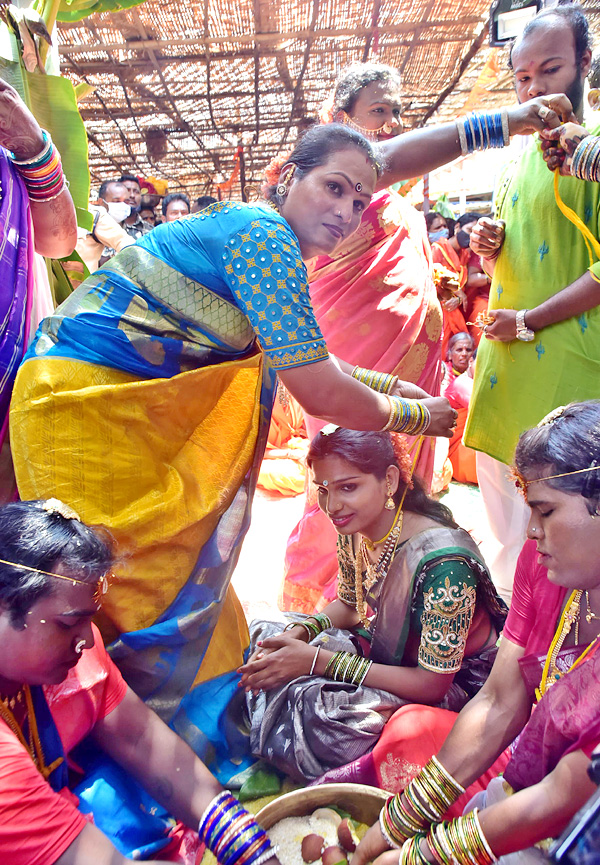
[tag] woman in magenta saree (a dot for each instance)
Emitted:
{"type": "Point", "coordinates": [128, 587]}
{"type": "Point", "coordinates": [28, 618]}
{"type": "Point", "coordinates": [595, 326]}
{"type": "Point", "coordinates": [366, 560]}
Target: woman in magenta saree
{"type": "Point", "coordinates": [536, 718]}
{"type": "Point", "coordinates": [377, 306]}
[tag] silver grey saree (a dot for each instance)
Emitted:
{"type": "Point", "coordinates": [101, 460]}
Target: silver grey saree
{"type": "Point", "coordinates": [435, 585]}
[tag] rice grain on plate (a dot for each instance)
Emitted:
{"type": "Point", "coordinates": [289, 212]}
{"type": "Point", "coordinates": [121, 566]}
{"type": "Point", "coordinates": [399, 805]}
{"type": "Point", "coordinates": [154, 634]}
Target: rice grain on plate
{"type": "Point", "coordinates": [289, 833]}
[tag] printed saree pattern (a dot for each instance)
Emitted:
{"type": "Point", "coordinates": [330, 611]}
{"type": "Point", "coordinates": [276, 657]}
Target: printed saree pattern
{"type": "Point", "coordinates": [154, 428]}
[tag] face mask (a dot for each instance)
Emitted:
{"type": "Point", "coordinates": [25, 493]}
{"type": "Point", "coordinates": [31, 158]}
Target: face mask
{"type": "Point", "coordinates": [440, 234]}
{"type": "Point", "coordinates": [119, 210]}
{"type": "Point", "coordinates": [463, 239]}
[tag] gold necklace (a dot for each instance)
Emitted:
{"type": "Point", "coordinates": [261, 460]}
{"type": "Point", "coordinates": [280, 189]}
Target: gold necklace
{"type": "Point", "coordinates": [34, 745]}
{"type": "Point", "coordinates": [569, 617]}
{"type": "Point", "coordinates": [590, 616]}
{"type": "Point", "coordinates": [397, 516]}
{"type": "Point", "coordinates": [376, 570]}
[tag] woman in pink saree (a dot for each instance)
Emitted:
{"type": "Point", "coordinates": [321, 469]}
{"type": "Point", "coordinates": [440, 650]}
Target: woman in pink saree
{"type": "Point", "coordinates": [548, 661]}
{"type": "Point", "coordinates": [377, 306]}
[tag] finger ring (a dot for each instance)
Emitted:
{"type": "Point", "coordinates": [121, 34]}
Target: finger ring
{"type": "Point", "coordinates": [543, 112]}
{"type": "Point", "coordinates": [484, 328]}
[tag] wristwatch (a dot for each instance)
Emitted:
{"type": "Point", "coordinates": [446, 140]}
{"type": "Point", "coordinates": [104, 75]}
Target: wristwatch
{"type": "Point", "coordinates": [524, 333]}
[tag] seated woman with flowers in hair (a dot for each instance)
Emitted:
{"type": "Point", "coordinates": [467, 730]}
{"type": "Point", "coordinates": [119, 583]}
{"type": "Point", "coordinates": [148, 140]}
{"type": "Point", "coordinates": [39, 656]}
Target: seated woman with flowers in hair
{"type": "Point", "coordinates": [416, 618]}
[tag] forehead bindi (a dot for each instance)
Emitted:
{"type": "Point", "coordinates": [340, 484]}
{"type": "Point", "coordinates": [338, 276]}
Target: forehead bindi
{"type": "Point", "coordinates": [327, 482]}
{"type": "Point", "coordinates": [357, 186]}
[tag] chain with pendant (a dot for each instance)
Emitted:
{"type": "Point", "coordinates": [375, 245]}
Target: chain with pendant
{"type": "Point", "coordinates": [374, 570]}
{"type": "Point", "coordinates": [568, 620]}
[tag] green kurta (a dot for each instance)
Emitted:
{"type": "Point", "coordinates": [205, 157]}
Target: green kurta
{"type": "Point", "coordinates": [518, 383]}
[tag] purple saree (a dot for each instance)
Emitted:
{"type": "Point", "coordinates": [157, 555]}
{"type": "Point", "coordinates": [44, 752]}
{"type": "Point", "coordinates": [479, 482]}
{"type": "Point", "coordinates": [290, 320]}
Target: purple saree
{"type": "Point", "coordinates": [16, 281]}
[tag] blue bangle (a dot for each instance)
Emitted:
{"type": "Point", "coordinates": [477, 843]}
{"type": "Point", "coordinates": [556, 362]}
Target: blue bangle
{"type": "Point", "coordinates": [32, 163]}
{"type": "Point", "coordinates": [468, 135]}
{"type": "Point", "coordinates": [498, 133]}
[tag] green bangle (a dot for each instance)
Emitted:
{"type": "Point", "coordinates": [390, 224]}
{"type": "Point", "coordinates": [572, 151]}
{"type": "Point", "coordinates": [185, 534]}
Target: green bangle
{"type": "Point", "coordinates": [321, 621]}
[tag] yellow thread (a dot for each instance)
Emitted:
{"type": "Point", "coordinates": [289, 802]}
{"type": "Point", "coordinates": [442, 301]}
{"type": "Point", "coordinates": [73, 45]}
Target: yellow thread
{"type": "Point", "coordinates": [590, 241]}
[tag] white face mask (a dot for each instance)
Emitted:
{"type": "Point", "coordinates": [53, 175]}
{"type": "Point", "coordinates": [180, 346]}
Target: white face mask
{"type": "Point", "coordinates": [119, 210]}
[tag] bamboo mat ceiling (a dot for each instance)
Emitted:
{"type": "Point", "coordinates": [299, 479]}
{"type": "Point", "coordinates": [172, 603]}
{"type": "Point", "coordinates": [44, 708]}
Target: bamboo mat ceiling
{"type": "Point", "coordinates": [179, 85]}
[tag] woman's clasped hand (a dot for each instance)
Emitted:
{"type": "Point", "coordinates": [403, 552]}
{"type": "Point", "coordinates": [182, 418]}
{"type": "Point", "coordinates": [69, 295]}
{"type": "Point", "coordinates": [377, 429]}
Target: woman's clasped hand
{"type": "Point", "coordinates": [276, 661]}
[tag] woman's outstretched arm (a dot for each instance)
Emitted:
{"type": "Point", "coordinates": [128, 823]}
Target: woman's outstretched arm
{"type": "Point", "coordinates": [325, 391]}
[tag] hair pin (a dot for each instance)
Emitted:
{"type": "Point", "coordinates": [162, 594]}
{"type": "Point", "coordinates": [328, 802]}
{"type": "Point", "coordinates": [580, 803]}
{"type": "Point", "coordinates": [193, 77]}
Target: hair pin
{"type": "Point", "coordinates": [521, 483]}
{"type": "Point", "coordinates": [329, 429]}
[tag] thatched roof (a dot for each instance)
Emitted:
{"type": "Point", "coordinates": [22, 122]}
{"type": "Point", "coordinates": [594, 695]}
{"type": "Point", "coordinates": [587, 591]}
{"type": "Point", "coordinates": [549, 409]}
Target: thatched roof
{"type": "Point", "coordinates": [178, 85]}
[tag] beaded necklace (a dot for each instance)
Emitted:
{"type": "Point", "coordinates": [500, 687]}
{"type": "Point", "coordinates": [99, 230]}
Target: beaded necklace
{"type": "Point", "coordinates": [570, 616]}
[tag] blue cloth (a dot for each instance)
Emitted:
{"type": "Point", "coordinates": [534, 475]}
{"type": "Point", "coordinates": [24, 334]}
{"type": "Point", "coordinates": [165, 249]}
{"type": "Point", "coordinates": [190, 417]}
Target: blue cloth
{"type": "Point", "coordinates": [52, 747]}
{"type": "Point", "coordinates": [135, 823]}
{"type": "Point", "coordinates": [145, 312]}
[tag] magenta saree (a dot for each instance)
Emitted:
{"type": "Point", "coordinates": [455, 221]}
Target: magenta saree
{"type": "Point", "coordinates": [377, 307]}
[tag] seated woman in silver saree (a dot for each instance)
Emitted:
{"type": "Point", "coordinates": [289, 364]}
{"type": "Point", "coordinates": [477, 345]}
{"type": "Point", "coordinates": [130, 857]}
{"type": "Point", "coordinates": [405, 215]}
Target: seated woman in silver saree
{"type": "Point", "coordinates": [416, 618]}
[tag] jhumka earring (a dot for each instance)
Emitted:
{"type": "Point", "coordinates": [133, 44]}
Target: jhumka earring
{"type": "Point", "coordinates": [282, 187]}
{"type": "Point", "coordinates": [390, 504]}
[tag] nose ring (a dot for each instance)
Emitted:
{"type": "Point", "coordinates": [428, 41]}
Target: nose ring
{"type": "Point", "coordinates": [533, 531]}
{"type": "Point", "coordinates": [80, 647]}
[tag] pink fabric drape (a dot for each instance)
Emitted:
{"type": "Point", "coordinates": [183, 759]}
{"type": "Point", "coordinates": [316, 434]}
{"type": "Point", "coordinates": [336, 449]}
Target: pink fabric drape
{"type": "Point", "coordinates": [377, 307]}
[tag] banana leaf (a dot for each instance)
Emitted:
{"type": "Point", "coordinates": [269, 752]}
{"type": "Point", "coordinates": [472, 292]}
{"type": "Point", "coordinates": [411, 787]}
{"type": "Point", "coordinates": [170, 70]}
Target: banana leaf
{"type": "Point", "coordinates": [76, 10]}
{"type": "Point", "coordinates": [53, 102]}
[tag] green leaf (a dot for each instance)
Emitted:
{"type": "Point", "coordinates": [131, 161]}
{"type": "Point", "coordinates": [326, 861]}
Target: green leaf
{"type": "Point", "coordinates": [76, 10]}
{"type": "Point", "coordinates": [53, 102]}
{"type": "Point", "coordinates": [84, 219]}
{"type": "Point", "coordinates": [60, 283]}
{"type": "Point", "coordinates": [262, 783]}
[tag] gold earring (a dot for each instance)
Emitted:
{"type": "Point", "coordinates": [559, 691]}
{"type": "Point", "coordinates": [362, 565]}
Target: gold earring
{"type": "Point", "coordinates": [282, 188]}
{"type": "Point", "coordinates": [390, 504]}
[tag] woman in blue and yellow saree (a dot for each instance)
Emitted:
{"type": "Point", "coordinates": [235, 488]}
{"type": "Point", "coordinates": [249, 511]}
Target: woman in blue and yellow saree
{"type": "Point", "coordinates": [144, 402]}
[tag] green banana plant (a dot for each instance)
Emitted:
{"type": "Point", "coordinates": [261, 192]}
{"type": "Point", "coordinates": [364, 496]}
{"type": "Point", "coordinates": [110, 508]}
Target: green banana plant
{"type": "Point", "coordinates": [75, 10]}
{"type": "Point", "coordinates": [24, 63]}
{"type": "Point", "coordinates": [32, 68]}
